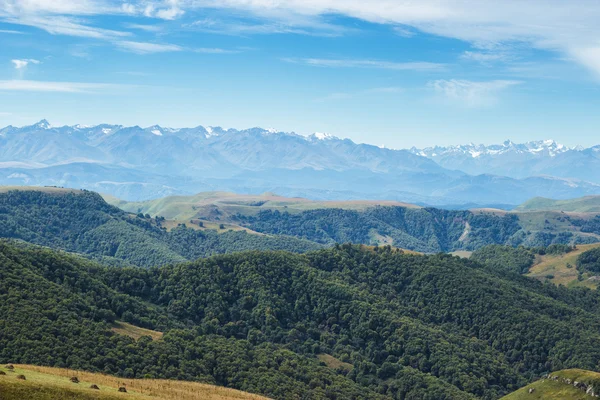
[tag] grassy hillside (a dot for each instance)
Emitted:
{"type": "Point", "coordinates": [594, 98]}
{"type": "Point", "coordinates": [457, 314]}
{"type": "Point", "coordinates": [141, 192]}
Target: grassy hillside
{"type": "Point", "coordinates": [560, 388]}
{"type": "Point", "coordinates": [561, 269]}
{"type": "Point", "coordinates": [45, 383]}
{"type": "Point", "coordinates": [81, 221]}
{"type": "Point", "coordinates": [587, 204]}
{"type": "Point", "coordinates": [208, 205]}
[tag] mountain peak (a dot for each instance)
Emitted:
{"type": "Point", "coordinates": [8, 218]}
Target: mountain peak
{"type": "Point", "coordinates": [43, 124]}
{"type": "Point", "coordinates": [322, 136]}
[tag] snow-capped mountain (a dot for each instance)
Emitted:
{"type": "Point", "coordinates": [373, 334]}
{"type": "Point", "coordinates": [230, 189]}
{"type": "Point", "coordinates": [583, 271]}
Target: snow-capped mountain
{"type": "Point", "coordinates": [538, 148]}
{"type": "Point", "coordinates": [139, 163]}
{"type": "Point", "coordinates": [519, 160]}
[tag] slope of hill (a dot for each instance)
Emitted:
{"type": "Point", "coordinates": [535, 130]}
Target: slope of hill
{"type": "Point", "coordinates": [426, 327]}
{"type": "Point", "coordinates": [571, 384]}
{"type": "Point", "coordinates": [46, 383]}
{"type": "Point", "coordinates": [588, 204]}
{"type": "Point", "coordinates": [137, 163]}
{"type": "Point", "coordinates": [82, 222]}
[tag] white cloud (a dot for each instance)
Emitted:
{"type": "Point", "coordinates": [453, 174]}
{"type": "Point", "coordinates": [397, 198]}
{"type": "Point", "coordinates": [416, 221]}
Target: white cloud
{"type": "Point", "coordinates": [147, 48]}
{"type": "Point", "coordinates": [143, 27]}
{"type": "Point", "coordinates": [471, 93]}
{"type": "Point", "coordinates": [379, 64]}
{"type": "Point", "coordinates": [46, 86]}
{"type": "Point", "coordinates": [21, 64]}
{"type": "Point", "coordinates": [61, 25]}
{"type": "Point", "coordinates": [488, 57]}
{"type": "Point", "coordinates": [568, 27]}
{"type": "Point", "coordinates": [212, 50]}
{"type": "Point", "coordinates": [11, 32]}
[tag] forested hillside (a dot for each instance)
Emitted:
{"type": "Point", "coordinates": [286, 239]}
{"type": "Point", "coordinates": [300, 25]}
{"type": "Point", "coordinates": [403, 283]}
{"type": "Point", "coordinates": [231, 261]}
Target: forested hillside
{"type": "Point", "coordinates": [400, 326]}
{"type": "Point", "coordinates": [422, 229]}
{"type": "Point", "coordinates": [82, 222]}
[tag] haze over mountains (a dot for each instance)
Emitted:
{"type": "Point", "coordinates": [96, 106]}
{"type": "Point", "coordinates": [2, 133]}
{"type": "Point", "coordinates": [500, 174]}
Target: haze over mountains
{"type": "Point", "coordinates": [135, 163]}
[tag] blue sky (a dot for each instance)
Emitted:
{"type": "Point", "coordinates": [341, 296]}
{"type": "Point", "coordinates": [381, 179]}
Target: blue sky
{"type": "Point", "coordinates": [391, 73]}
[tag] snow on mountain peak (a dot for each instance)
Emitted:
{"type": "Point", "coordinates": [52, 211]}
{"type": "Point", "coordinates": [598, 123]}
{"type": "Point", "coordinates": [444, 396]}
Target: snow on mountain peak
{"type": "Point", "coordinates": [43, 124]}
{"type": "Point", "coordinates": [549, 147]}
{"type": "Point", "coordinates": [322, 136]}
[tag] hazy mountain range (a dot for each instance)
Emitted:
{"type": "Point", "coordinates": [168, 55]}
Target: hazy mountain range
{"type": "Point", "coordinates": [137, 163]}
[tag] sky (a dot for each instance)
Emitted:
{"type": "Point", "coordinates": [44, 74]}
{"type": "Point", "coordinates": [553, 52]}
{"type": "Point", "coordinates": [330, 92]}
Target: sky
{"type": "Point", "coordinates": [387, 72]}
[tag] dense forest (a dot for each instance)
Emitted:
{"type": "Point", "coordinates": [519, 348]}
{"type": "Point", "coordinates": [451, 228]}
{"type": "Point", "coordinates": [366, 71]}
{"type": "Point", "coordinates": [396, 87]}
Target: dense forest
{"type": "Point", "coordinates": [406, 326]}
{"type": "Point", "coordinates": [82, 222]}
{"type": "Point", "coordinates": [515, 259]}
{"type": "Point", "coordinates": [589, 261]}
{"type": "Point", "coordinates": [428, 230]}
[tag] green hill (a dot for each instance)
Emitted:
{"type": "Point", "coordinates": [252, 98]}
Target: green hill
{"type": "Point", "coordinates": [371, 222]}
{"type": "Point", "coordinates": [571, 384]}
{"type": "Point", "coordinates": [587, 204]}
{"type": "Point", "coordinates": [345, 322]}
{"type": "Point", "coordinates": [81, 221]}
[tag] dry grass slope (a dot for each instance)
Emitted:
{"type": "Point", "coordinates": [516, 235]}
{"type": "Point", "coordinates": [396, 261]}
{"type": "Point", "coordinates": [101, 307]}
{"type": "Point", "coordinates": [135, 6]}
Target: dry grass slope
{"type": "Point", "coordinates": [135, 332]}
{"type": "Point", "coordinates": [45, 383]}
{"type": "Point", "coordinates": [558, 266]}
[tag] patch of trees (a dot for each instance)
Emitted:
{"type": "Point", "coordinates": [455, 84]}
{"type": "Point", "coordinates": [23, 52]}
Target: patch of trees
{"type": "Point", "coordinates": [589, 261]}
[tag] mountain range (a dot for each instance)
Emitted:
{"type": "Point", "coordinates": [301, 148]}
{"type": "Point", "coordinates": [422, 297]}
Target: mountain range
{"type": "Point", "coordinates": [135, 163]}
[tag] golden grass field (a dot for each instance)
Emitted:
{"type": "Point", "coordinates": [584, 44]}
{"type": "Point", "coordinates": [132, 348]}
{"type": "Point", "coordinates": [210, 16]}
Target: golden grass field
{"type": "Point", "coordinates": [558, 267]}
{"type": "Point", "coordinates": [45, 383]}
{"type": "Point", "coordinates": [547, 389]}
{"type": "Point", "coordinates": [135, 332]}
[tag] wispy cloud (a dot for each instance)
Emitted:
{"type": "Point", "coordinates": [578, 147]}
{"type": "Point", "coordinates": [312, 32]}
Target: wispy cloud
{"type": "Point", "coordinates": [147, 48]}
{"type": "Point", "coordinates": [145, 27]}
{"type": "Point", "coordinates": [11, 32]}
{"type": "Point", "coordinates": [471, 93]}
{"type": "Point", "coordinates": [62, 25]}
{"type": "Point", "coordinates": [22, 64]}
{"type": "Point", "coordinates": [347, 95]}
{"type": "Point", "coordinates": [487, 58]}
{"type": "Point", "coordinates": [214, 50]}
{"type": "Point", "coordinates": [61, 87]}
{"type": "Point", "coordinates": [570, 28]}
{"type": "Point", "coordinates": [379, 64]}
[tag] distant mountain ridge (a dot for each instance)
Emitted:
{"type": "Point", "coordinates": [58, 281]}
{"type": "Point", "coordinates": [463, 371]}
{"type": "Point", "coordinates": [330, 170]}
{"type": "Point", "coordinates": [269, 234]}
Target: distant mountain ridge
{"type": "Point", "coordinates": [544, 157]}
{"type": "Point", "coordinates": [136, 163]}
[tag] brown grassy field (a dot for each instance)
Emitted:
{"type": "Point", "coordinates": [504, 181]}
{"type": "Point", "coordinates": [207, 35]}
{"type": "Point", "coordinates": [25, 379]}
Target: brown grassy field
{"type": "Point", "coordinates": [45, 383]}
{"type": "Point", "coordinates": [135, 332]}
{"type": "Point", "coordinates": [557, 266]}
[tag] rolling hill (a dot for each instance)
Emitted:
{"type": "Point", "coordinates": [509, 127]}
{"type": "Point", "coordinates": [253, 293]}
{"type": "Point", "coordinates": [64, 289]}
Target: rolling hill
{"type": "Point", "coordinates": [372, 222]}
{"type": "Point", "coordinates": [46, 383]}
{"type": "Point", "coordinates": [345, 322]}
{"type": "Point", "coordinates": [588, 204]}
{"type": "Point", "coordinates": [82, 222]}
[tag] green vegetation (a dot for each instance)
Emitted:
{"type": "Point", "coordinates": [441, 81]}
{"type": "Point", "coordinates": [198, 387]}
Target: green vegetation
{"type": "Point", "coordinates": [560, 386]}
{"type": "Point", "coordinates": [82, 222]}
{"type": "Point", "coordinates": [427, 229]}
{"type": "Point", "coordinates": [588, 204]}
{"type": "Point", "coordinates": [411, 327]}
{"type": "Point", "coordinates": [589, 261]}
